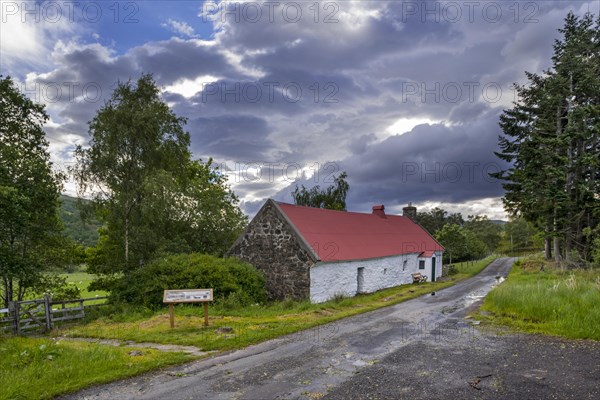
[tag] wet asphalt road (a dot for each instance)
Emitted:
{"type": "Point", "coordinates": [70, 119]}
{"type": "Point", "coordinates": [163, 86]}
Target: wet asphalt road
{"type": "Point", "coordinates": [422, 348]}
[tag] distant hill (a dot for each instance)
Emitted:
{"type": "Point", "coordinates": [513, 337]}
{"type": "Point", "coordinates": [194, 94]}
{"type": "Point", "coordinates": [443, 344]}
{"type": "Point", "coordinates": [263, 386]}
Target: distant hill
{"type": "Point", "coordinates": [85, 233]}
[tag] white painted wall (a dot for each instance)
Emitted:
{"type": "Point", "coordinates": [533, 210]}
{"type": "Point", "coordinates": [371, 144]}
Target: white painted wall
{"type": "Point", "coordinates": [429, 266]}
{"type": "Point", "coordinates": [328, 279]}
{"type": "Point", "coordinates": [438, 264]}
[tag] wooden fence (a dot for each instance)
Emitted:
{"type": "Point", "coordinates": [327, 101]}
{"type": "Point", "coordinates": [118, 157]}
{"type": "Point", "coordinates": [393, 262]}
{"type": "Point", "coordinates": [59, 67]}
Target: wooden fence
{"type": "Point", "coordinates": [41, 315]}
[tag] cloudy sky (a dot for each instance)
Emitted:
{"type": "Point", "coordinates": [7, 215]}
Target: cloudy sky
{"type": "Point", "coordinates": [403, 95]}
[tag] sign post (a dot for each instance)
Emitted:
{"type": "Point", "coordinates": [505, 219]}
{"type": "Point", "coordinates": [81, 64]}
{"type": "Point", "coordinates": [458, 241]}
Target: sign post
{"type": "Point", "coordinates": [172, 297]}
{"type": "Point", "coordinates": [172, 315]}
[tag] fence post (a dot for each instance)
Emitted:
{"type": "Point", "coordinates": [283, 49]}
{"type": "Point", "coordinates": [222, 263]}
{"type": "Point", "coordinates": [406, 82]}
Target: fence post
{"type": "Point", "coordinates": [48, 311]}
{"type": "Point", "coordinates": [15, 306]}
{"type": "Point", "coordinates": [11, 315]}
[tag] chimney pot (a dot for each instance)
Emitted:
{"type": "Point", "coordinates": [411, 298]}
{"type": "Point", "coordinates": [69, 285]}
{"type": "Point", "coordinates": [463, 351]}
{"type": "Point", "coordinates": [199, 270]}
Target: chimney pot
{"type": "Point", "coordinates": [379, 210]}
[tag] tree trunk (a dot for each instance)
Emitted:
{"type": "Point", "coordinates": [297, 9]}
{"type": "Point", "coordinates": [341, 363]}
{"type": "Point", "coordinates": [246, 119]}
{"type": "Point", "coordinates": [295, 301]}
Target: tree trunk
{"type": "Point", "coordinates": [9, 291]}
{"type": "Point", "coordinates": [569, 183]}
{"type": "Point", "coordinates": [557, 257]}
{"type": "Point", "coordinates": [5, 298]}
{"type": "Point", "coordinates": [126, 240]}
{"type": "Point", "coordinates": [547, 248]}
{"type": "Point", "coordinates": [21, 293]}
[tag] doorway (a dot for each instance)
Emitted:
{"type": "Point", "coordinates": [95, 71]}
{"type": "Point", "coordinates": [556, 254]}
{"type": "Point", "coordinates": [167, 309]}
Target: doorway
{"type": "Point", "coordinates": [433, 269]}
{"type": "Point", "coordinates": [360, 280]}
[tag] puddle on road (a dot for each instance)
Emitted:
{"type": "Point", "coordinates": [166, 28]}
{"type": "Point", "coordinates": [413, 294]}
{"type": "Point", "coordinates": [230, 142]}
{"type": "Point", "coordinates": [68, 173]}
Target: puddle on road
{"type": "Point", "coordinates": [472, 297]}
{"type": "Point", "coordinates": [479, 294]}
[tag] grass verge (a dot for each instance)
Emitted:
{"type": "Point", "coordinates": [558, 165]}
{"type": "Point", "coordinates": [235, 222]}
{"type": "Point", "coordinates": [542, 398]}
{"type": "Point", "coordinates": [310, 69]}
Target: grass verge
{"type": "Point", "coordinates": [243, 325]}
{"type": "Point", "coordinates": [468, 269]}
{"type": "Point", "coordinates": [35, 368]}
{"type": "Point", "coordinates": [548, 300]}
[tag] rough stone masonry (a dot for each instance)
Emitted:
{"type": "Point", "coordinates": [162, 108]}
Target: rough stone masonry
{"type": "Point", "coordinates": [271, 245]}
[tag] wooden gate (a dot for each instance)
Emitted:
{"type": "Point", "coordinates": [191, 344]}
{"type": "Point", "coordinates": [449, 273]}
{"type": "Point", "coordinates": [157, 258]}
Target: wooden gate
{"type": "Point", "coordinates": [40, 315]}
{"type": "Point", "coordinates": [32, 315]}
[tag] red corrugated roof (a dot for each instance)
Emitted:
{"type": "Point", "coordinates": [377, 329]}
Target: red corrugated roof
{"type": "Point", "coordinates": [341, 235]}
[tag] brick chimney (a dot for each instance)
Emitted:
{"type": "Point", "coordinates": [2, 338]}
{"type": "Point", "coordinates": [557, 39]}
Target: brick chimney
{"type": "Point", "coordinates": [410, 211]}
{"type": "Point", "coordinates": [379, 210]}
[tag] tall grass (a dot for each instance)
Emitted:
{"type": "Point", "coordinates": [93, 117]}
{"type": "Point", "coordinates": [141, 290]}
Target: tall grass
{"type": "Point", "coordinates": [564, 303]}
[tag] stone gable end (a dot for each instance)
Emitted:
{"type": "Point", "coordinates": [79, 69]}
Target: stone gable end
{"type": "Point", "coordinates": [271, 245]}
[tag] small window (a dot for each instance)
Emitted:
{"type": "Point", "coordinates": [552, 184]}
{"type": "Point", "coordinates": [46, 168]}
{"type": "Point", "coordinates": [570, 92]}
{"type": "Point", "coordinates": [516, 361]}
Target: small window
{"type": "Point", "coordinates": [404, 265]}
{"type": "Point", "coordinates": [421, 264]}
{"type": "Point", "coordinates": [385, 271]}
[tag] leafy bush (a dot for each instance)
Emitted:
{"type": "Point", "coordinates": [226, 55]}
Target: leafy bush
{"type": "Point", "coordinates": [228, 277]}
{"type": "Point", "coordinates": [57, 287]}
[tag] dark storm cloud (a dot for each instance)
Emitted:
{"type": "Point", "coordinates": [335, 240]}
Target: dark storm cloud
{"type": "Point", "coordinates": [359, 145]}
{"type": "Point", "coordinates": [177, 59]}
{"type": "Point", "coordinates": [382, 64]}
{"type": "Point", "coordinates": [448, 164]}
{"type": "Point", "coordinates": [342, 43]}
{"type": "Point", "coordinates": [289, 93]}
{"type": "Point", "coordinates": [430, 163]}
{"type": "Point", "coordinates": [230, 137]}
{"type": "Point", "coordinates": [88, 75]}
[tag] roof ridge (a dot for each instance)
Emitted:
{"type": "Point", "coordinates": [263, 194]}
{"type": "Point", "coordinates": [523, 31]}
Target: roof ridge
{"type": "Point", "coordinates": [339, 211]}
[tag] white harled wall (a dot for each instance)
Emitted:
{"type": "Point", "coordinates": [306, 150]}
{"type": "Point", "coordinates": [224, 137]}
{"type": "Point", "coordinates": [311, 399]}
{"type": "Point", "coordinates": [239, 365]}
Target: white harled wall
{"type": "Point", "coordinates": [428, 264]}
{"type": "Point", "coordinates": [328, 279]}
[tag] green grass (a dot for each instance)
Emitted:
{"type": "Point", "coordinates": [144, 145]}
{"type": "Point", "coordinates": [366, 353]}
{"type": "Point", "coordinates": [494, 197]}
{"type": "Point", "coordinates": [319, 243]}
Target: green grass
{"type": "Point", "coordinates": [32, 368]}
{"type": "Point", "coordinates": [251, 323]}
{"type": "Point", "coordinates": [555, 302]}
{"type": "Point", "coordinates": [472, 268]}
{"type": "Point", "coordinates": [82, 280]}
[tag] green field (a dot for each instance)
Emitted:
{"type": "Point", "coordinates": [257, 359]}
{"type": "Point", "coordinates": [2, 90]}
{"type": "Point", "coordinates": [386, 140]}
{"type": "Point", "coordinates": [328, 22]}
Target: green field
{"type": "Point", "coordinates": [82, 281]}
{"type": "Point", "coordinates": [33, 368]}
{"type": "Point", "coordinates": [563, 303]}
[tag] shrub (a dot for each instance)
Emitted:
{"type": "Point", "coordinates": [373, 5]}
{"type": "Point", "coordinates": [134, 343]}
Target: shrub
{"type": "Point", "coordinates": [57, 287]}
{"type": "Point", "coordinates": [228, 277]}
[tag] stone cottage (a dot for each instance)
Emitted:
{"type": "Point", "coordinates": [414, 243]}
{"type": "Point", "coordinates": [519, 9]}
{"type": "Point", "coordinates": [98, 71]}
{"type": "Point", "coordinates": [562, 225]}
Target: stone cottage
{"type": "Point", "coordinates": [317, 254]}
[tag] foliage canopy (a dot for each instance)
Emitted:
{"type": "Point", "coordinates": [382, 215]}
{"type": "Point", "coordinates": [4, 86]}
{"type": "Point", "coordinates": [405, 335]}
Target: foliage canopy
{"type": "Point", "coordinates": [152, 197]}
{"type": "Point", "coordinates": [552, 140]}
{"type": "Point", "coordinates": [30, 239]}
{"type": "Point", "coordinates": [332, 197]}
